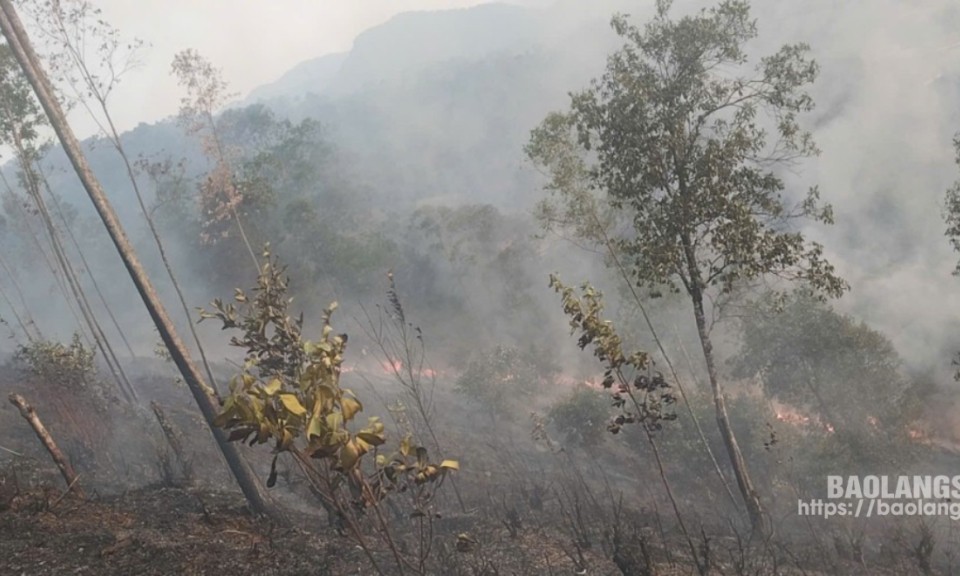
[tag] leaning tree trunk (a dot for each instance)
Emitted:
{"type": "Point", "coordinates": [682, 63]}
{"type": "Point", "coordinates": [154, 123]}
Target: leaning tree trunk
{"type": "Point", "coordinates": [19, 43]}
{"type": "Point", "coordinates": [59, 458]}
{"type": "Point", "coordinates": [744, 483]}
{"type": "Point", "coordinates": [750, 497]}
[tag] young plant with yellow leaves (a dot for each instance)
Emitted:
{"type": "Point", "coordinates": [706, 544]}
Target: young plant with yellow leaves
{"type": "Point", "coordinates": [289, 393]}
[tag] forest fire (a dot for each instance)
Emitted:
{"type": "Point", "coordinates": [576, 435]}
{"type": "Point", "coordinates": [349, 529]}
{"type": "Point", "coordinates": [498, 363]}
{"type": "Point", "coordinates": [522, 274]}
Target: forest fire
{"type": "Point", "coordinates": [391, 369]}
{"type": "Point", "coordinates": [791, 417]}
{"type": "Point", "coordinates": [919, 435]}
{"type": "Point", "coordinates": [489, 440]}
{"type": "Point", "coordinates": [794, 418]}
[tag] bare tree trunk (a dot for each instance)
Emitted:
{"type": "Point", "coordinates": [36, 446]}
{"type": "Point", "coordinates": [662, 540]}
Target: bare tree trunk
{"type": "Point", "coordinates": [19, 43]}
{"type": "Point", "coordinates": [750, 497]}
{"type": "Point", "coordinates": [694, 285]}
{"type": "Point", "coordinates": [59, 458]}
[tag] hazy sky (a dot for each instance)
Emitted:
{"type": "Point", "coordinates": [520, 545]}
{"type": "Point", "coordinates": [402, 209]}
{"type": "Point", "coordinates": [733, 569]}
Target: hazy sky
{"type": "Point", "coordinates": [888, 92]}
{"type": "Point", "coordinates": [252, 42]}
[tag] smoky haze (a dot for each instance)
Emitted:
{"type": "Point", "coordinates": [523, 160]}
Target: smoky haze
{"type": "Point", "coordinates": [389, 136]}
{"type": "Point", "coordinates": [884, 121]}
{"type": "Point", "coordinates": [253, 46]}
{"type": "Point", "coordinates": [433, 108]}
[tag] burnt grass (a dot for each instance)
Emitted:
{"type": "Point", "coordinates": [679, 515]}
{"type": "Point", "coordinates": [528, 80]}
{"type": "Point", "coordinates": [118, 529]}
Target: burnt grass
{"type": "Point", "coordinates": [154, 531]}
{"type": "Point", "coordinates": [528, 511]}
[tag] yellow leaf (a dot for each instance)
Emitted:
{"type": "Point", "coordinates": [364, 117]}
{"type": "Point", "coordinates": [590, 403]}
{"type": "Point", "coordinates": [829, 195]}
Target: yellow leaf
{"type": "Point", "coordinates": [349, 455]}
{"type": "Point", "coordinates": [273, 387]}
{"type": "Point", "coordinates": [371, 438]}
{"type": "Point", "coordinates": [450, 465]}
{"type": "Point", "coordinates": [286, 440]}
{"type": "Point", "coordinates": [264, 433]}
{"type": "Point", "coordinates": [374, 426]}
{"type": "Point", "coordinates": [292, 404]}
{"type": "Point", "coordinates": [362, 446]}
{"type": "Point", "coordinates": [315, 428]}
{"type": "Point", "coordinates": [334, 421]}
{"type": "Point", "coordinates": [227, 411]}
{"type": "Point", "coordinates": [256, 406]}
{"type": "Point", "coordinates": [350, 407]}
{"type": "Point", "coordinates": [325, 394]}
{"type": "Point", "coordinates": [406, 445]}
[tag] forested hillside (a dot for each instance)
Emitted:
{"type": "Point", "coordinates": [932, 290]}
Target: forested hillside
{"type": "Point", "coordinates": [593, 288]}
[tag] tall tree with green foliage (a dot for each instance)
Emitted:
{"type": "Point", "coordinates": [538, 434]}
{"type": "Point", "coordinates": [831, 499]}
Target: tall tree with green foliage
{"type": "Point", "coordinates": [670, 144]}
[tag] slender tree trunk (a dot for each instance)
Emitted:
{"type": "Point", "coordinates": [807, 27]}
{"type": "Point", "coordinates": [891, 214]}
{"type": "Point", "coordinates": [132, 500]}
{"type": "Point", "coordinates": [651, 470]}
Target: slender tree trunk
{"type": "Point", "coordinates": [694, 285]}
{"type": "Point", "coordinates": [54, 271]}
{"type": "Point", "coordinates": [19, 43]}
{"type": "Point", "coordinates": [32, 184]}
{"type": "Point", "coordinates": [615, 256]}
{"type": "Point", "coordinates": [750, 497]}
{"type": "Point", "coordinates": [83, 261]}
{"type": "Point", "coordinates": [118, 145]}
{"type": "Point", "coordinates": [16, 315]}
{"type": "Point", "coordinates": [30, 321]}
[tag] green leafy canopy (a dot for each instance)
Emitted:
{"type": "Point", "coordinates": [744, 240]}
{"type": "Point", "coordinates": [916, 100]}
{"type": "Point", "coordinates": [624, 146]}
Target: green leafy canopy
{"type": "Point", "coordinates": [672, 139]}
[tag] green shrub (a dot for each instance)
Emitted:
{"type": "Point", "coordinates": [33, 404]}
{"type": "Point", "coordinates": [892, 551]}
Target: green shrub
{"type": "Point", "coordinates": [582, 416]}
{"type": "Point", "coordinates": [500, 379]}
{"type": "Point", "coordinates": [53, 362]}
